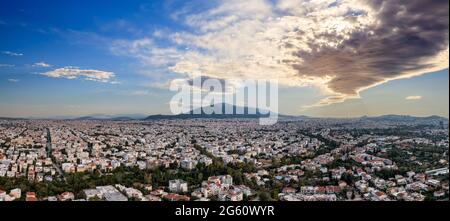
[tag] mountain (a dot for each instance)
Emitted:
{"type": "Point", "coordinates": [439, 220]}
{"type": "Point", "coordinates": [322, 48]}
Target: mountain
{"type": "Point", "coordinates": [11, 118]}
{"type": "Point", "coordinates": [249, 113]}
{"type": "Point", "coordinates": [124, 117]}
{"type": "Point", "coordinates": [405, 118]}
{"type": "Point", "coordinates": [401, 119]}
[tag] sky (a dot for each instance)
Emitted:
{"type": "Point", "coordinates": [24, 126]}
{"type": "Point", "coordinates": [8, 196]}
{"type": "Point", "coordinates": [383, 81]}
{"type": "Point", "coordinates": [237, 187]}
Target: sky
{"type": "Point", "coordinates": [333, 58]}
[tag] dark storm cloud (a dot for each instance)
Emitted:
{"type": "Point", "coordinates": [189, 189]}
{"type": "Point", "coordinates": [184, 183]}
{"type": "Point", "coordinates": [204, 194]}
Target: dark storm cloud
{"type": "Point", "coordinates": [408, 32]}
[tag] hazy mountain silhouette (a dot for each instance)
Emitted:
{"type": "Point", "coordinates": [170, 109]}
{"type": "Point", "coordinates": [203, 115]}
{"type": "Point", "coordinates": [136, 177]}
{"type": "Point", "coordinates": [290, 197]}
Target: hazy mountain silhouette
{"type": "Point", "coordinates": [200, 113]}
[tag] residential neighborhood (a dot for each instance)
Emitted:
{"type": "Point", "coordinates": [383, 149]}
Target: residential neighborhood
{"type": "Point", "coordinates": [222, 160]}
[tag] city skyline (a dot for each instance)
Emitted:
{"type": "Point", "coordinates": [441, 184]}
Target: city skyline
{"type": "Point", "coordinates": [342, 58]}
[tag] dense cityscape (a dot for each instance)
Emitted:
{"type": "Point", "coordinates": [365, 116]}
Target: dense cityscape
{"type": "Point", "coordinates": [224, 109]}
{"type": "Point", "coordinates": [299, 159]}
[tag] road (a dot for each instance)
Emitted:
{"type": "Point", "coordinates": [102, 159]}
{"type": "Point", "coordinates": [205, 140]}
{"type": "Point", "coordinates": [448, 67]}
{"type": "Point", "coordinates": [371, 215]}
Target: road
{"type": "Point", "coordinates": [49, 154]}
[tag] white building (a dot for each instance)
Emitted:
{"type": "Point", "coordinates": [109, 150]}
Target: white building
{"type": "Point", "coordinates": [178, 186]}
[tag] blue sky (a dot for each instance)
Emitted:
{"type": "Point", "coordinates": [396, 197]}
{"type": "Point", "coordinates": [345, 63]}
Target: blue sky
{"type": "Point", "coordinates": [41, 39]}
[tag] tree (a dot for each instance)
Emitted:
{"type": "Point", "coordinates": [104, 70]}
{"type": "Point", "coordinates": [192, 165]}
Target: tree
{"type": "Point", "coordinates": [264, 196]}
{"type": "Point", "coordinates": [348, 178]}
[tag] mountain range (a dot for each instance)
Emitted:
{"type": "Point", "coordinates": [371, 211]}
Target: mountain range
{"type": "Point", "coordinates": [201, 113]}
{"type": "Point", "coordinates": [249, 113]}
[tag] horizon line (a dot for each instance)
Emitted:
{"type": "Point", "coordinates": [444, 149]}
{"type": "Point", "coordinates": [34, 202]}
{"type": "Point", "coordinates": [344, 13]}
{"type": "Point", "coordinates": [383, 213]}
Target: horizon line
{"type": "Point", "coordinates": [112, 116]}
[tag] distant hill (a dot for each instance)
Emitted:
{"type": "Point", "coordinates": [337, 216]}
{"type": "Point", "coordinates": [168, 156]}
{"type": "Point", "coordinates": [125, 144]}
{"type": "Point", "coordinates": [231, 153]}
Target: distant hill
{"type": "Point", "coordinates": [405, 118]}
{"type": "Point", "coordinates": [11, 118]}
{"type": "Point", "coordinates": [111, 117]}
{"type": "Point", "coordinates": [249, 113]}
{"type": "Point", "coordinates": [401, 119]}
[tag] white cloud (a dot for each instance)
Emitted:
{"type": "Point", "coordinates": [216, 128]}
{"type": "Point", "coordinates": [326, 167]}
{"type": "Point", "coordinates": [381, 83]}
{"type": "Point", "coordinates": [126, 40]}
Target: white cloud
{"type": "Point", "coordinates": [13, 80]}
{"type": "Point", "coordinates": [75, 73]}
{"type": "Point", "coordinates": [14, 54]}
{"type": "Point", "coordinates": [147, 51]}
{"type": "Point", "coordinates": [115, 82]}
{"type": "Point", "coordinates": [342, 47]}
{"type": "Point", "coordinates": [158, 85]}
{"type": "Point", "coordinates": [41, 64]}
{"type": "Point", "coordinates": [414, 98]}
{"type": "Point", "coordinates": [142, 93]}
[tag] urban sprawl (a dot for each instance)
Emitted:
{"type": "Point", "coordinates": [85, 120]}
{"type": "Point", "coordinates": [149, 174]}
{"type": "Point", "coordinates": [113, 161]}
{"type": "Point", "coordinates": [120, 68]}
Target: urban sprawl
{"type": "Point", "coordinates": [223, 160]}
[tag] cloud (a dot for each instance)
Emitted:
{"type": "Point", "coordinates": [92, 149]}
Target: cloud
{"type": "Point", "coordinates": [142, 93]}
{"type": "Point", "coordinates": [13, 54]}
{"type": "Point", "coordinates": [115, 82]}
{"type": "Point", "coordinates": [7, 65]}
{"type": "Point", "coordinates": [410, 98]}
{"type": "Point", "coordinates": [164, 85]}
{"type": "Point", "coordinates": [75, 73]}
{"type": "Point", "coordinates": [405, 38]}
{"type": "Point", "coordinates": [147, 52]}
{"type": "Point", "coordinates": [41, 64]}
{"type": "Point", "coordinates": [342, 47]}
{"type": "Point", "coordinates": [13, 80]}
